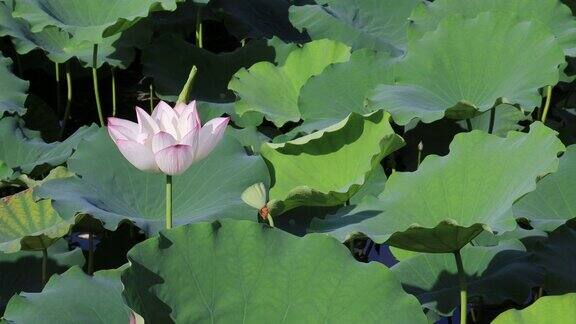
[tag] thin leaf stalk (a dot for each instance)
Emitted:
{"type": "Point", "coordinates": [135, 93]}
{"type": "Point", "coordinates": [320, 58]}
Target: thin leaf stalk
{"type": "Point", "coordinates": [58, 99]}
{"type": "Point", "coordinates": [68, 100]}
{"type": "Point", "coordinates": [547, 103]}
{"type": "Point", "coordinates": [463, 287]}
{"type": "Point", "coordinates": [95, 83]}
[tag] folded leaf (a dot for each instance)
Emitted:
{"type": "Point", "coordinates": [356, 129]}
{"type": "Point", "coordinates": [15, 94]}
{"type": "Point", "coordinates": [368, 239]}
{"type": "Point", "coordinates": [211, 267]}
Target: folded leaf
{"type": "Point", "coordinates": [328, 167]}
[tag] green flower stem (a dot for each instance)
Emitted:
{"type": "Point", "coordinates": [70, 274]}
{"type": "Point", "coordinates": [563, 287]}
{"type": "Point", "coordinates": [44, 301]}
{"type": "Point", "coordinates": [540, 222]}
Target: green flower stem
{"type": "Point", "coordinates": [58, 100]}
{"type": "Point", "coordinates": [168, 201]}
{"type": "Point", "coordinates": [113, 92]}
{"type": "Point", "coordinates": [199, 29]}
{"type": "Point", "coordinates": [151, 97]}
{"type": "Point", "coordinates": [492, 118]}
{"type": "Point", "coordinates": [547, 103]}
{"type": "Point", "coordinates": [463, 287]}
{"type": "Point", "coordinates": [270, 220]}
{"type": "Point", "coordinates": [68, 100]}
{"type": "Point", "coordinates": [90, 252]}
{"type": "Point", "coordinates": [95, 81]}
{"type": "Point", "coordinates": [44, 266]}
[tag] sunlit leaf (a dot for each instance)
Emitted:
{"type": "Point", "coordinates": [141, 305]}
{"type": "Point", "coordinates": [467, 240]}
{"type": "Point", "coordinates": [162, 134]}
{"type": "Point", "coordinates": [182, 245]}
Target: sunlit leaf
{"type": "Point", "coordinates": [549, 309]}
{"type": "Point", "coordinates": [342, 88]}
{"type": "Point", "coordinates": [245, 270]}
{"type": "Point", "coordinates": [29, 225]}
{"type": "Point", "coordinates": [328, 167]}
{"type": "Point", "coordinates": [454, 197]}
{"type": "Point", "coordinates": [468, 66]}
{"type": "Point", "coordinates": [274, 90]}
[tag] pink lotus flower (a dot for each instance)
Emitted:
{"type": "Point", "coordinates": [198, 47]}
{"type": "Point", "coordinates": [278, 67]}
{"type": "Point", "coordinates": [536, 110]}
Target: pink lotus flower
{"type": "Point", "coordinates": [168, 141]}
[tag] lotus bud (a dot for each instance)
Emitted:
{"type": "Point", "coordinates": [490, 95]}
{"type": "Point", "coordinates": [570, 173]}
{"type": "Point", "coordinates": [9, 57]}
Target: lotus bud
{"type": "Point", "coordinates": [256, 196]}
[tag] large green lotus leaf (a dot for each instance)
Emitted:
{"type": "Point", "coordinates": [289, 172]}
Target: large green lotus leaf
{"type": "Point", "coordinates": [342, 88]}
{"type": "Point", "coordinates": [552, 13]}
{"type": "Point", "coordinates": [22, 271]}
{"type": "Point", "coordinates": [116, 50]}
{"type": "Point", "coordinates": [274, 90]}
{"type": "Point", "coordinates": [328, 167]}
{"type": "Point", "coordinates": [87, 20]}
{"type": "Point", "coordinates": [51, 39]}
{"type": "Point", "coordinates": [375, 24]}
{"type": "Point", "coordinates": [479, 62]}
{"type": "Point", "coordinates": [26, 224]}
{"type": "Point", "coordinates": [549, 309]}
{"type": "Point", "coordinates": [170, 72]}
{"type": "Point", "coordinates": [249, 272]}
{"type": "Point", "coordinates": [24, 150]}
{"type": "Point", "coordinates": [12, 89]}
{"type": "Point", "coordinates": [552, 203]}
{"type": "Point", "coordinates": [494, 274]}
{"type": "Point", "coordinates": [210, 189]}
{"type": "Point", "coordinates": [557, 255]}
{"type": "Point", "coordinates": [73, 297]}
{"type": "Point", "coordinates": [449, 200]}
{"type": "Point", "coordinates": [506, 119]}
